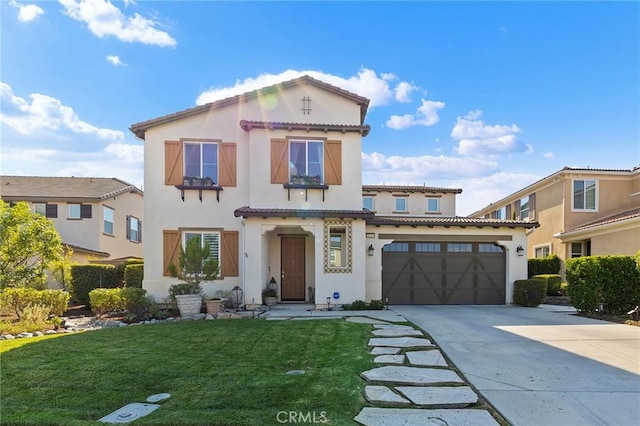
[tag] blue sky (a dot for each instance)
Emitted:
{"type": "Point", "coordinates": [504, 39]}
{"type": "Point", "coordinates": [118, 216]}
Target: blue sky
{"type": "Point", "coordinates": [484, 96]}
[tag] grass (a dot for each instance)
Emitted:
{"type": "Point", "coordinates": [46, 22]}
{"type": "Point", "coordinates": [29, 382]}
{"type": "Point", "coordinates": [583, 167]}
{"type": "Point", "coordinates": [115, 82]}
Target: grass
{"type": "Point", "coordinates": [218, 372]}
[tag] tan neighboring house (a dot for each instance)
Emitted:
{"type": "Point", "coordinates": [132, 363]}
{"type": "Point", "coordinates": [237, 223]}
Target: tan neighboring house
{"type": "Point", "coordinates": [272, 179]}
{"type": "Point", "coordinates": [580, 211]}
{"type": "Point", "coordinates": [100, 219]}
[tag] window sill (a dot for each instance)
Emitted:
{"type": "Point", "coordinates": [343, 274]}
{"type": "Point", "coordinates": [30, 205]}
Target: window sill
{"type": "Point", "coordinates": [306, 187]}
{"type": "Point", "coordinates": [199, 188]}
{"type": "Point", "coordinates": [396, 212]}
{"type": "Point", "coordinates": [434, 213]}
{"type": "Point", "coordinates": [108, 235]}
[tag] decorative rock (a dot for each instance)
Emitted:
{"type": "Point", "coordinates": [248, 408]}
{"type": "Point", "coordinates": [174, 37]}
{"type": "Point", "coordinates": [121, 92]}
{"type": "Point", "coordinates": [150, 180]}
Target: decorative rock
{"type": "Point", "coordinates": [159, 397]}
{"type": "Point", "coordinates": [365, 320]}
{"type": "Point", "coordinates": [389, 359]}
{"type": "Point", "coordinates": [111, 323]}
{"type": "Point", "coordinates": [24, 335]}
{"type": "Point", "coordinates": [458, 396]}
{"type": "Point", "coordinates": [383, 395]}
{"type": "Point", "coordinates": [7, 337]}
{"type": "Point", "coordinates": [374, 416]}
{"type": "Point", "coordinates": [48, 332]}
{"type": "Point", "coordinates": [410, 375]}
{"type": "Point", "coordinates": [390, 332]}
{"type": "Point", "coordinates": [400, 342]}
{"type": "Point", "coordinates": [431, 358]}
{"type": "Point", "coordinates": [228, 315]}
{"type": "Point", "coordinates": [295, 372]}
{"type": "Point", "coordinates": [209, 317]}
{"type": "Point", "coordinates": [384, 351]}
{"type": "Point", "coordinates": [198, 317]}
{"type": "Point", "coordinates": [37, 334]}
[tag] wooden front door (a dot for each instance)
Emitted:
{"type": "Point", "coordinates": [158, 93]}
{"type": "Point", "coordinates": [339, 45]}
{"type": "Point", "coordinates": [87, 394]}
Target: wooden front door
{"type": "Point", "coordinates": [292, 267]}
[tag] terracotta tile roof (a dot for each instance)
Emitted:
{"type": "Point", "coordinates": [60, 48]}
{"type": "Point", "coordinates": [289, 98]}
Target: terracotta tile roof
{"type": "Point", "coordinates": [618, 217]}
{"type": "Point", "coordinates": [17, 188]}
{"type": "Point", "coordinates": [247, 125]}
{"type": "Point", "coordinates": [301, 213]}
{"type": "Point", "coordinates": [448, 221]}
{"type": "Point", "coordinates": [81, 249]}
{"type": "Point", "coordinates": [139, 128]}
{"type": "Point", "coordinates": [417, 188]}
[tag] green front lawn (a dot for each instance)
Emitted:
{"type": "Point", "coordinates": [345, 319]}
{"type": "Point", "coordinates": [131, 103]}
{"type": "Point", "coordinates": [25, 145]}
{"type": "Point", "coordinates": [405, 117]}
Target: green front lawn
{"type": "Point", "coordinates": [218, 372]}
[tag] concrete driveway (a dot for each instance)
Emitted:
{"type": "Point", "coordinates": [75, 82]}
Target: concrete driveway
{"type": "Point", "coordinates": [540, 366]}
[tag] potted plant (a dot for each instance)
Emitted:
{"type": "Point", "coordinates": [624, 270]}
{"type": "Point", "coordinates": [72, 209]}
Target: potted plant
{"type": "Point", "coordinates": [213, 305]}
{"type": "Point", "coordinates": [196, 266]}
{"type": "Point", "coordinates": [270, 294]}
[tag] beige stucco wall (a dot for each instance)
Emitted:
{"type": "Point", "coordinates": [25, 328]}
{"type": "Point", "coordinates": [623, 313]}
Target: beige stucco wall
{"type": "Point", "coordinates": [623, 242]}
{"type": "Point", "coordinates": [516, 266]}
{"type": "Point", "coordinates": [549, 213]}
{"type": "Point", "coordinates": [385, 204]}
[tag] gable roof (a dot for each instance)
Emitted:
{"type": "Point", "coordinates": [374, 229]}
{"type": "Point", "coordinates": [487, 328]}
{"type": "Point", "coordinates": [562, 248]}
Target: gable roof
{"type": "Point", "coordinates": [448, 221]}
{"type": "Point", "coordinates": [409, 188]}
{"type": "Point", "coordinates": [617, 218]}
{"type": "Point", "coordinates": [139, 129]}
{"type": "Point", "coordinates": [44, 187]}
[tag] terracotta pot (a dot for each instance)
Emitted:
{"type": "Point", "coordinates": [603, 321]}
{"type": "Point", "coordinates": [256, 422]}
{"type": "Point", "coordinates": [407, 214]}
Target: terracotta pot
{"type": "Point", "coordinates": [213, 306]}
{"type": "Point", "coordinates": [270, 300]}
{"type": "Point", "coordinates": [189, 304]}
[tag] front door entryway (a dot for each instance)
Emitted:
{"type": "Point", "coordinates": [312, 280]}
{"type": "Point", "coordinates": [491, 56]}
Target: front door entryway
{"type": "Point", "coordinates": [292, 268]}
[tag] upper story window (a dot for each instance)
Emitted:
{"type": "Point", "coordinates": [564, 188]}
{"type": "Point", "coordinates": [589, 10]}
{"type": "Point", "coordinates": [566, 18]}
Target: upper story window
{"type": "Point", "coordinates": [40, 208]}
{"type": "Point", "coordinates": [306, 162]}
{"type": "Point", "coordinates": [433, 205]}
{"type": "Point", "coordinates": [585, 195]}
{"type": "Point", "coordinates": [74, 211]}
{"type": "Point", "coordinates": [134, 229]}
{"type": "Point", "coordinates": [108, 218]}
{"type": "Point", "coordinates": [79, 211]}
{"type": "Point", "coordinates": [368, 203]}
{"type": "Point", "coordinates": [524, 208]}
{"type": "Point", "coordinates": [500, 213]}
{"type": "Point", "coordinates": [201, 160]}
{"type": "Point", "coordinates": [401, 204]}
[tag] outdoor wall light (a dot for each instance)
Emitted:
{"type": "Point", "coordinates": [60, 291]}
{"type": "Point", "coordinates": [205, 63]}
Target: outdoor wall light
{"type": "Point", "coordinates": [520, 251]}
{"type": "Point", "coordinates": [370, 250]}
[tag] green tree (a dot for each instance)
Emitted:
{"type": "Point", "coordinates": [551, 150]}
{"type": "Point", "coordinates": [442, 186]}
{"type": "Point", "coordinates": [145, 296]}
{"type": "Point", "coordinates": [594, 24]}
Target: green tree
{"type": "Point", "coordinates": [61, 268]}
{"type": "Point", "coordinates": [28, 243]}
{"type": "Point", "coordinates": [196, 265]}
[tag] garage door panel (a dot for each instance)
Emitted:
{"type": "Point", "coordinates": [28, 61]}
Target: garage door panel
{"type": "Point", "coordinates": [458, 274]}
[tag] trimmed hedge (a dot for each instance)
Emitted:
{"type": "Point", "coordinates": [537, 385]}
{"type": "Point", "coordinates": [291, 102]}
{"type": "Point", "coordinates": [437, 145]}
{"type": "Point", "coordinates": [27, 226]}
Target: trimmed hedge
{"type": "Point", "coordinates": [120, 270]}
{"type": "Point", "coordinates": [529, 293]}
{"type": "Point", "coordinates": [105, 300]}
{"type": "Point", "coordinates": [136, 301]}
{"type": "Point", "coordinates": [548, 265]}
{"type": "Point", "coordinates": [613, 281]}
{"type": "Point", "coordinates": [554, 282]}
{"type": "Point", "coordinates": [361, 305]}
{"type": "Point", "coordinates": [16, 299]}
{"type": "Point", "coordinates": [133, 275]}
{"type": "Point", "coordinates": [85, 278]}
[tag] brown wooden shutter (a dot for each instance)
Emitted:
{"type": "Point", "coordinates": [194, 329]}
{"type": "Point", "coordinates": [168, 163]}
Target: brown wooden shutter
{"type": "Point", "coordinates": [170, 250]}
{"type": "Point", "coordinates": [173, 163]}
{"type": "Point", "coordinates": [229, 266]}
{"type": "Point", "coordinates": [516, 209]}
{"type": "Point", "coordinates": [85, 211]}
{"type": "Point", "coordinates": [227, 172]}
{"type": "Point", "coordinates": [507, 212]}
{"type": "Point", "coordinates": [279, 161]}
{"type": "Point", "coordinates": [333, 162]}
{"type": "Point", "coordinates": [51, 211]}
{"type": "Point", "coordinates": [532, 206]}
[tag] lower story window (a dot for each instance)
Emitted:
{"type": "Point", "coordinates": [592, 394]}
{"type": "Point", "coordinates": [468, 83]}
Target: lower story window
{"type": "Point", "coordinates": [582, 248]}
{"type": "Point", "coordinates": [134, 229]}
{"type": "Point", "coordinates": [337, 246]}
{"type": "Point", "coordinates": [213, 238]}
{"type": "Point", "coordinates": [542, 251]}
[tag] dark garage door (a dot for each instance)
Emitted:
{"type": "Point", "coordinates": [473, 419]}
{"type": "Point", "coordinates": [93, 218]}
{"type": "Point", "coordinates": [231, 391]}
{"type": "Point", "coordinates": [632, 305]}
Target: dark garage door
{"type": "Point", "coordinates": [443, 273]}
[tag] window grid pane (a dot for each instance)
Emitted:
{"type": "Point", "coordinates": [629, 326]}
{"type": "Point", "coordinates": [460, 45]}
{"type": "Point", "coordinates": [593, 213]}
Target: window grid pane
{"type": "Point", "coordinates": [367, 203]}
{"type": "Point", "coordinates": [401, 204]}
{"type": "Point", "coordinates": [74, 211]}
{"type": "Point", "coordinates": [489, 248]}
{"type": "Point", "coordinates": [396, 247]}
{"type": "Point", "coordinates": [459, 248]}
{"type": "Point", "coordinates": [40, 208]}
{"type": "Point", "coordinates": [433, 205]}
{"type": "Point", "coordinates": [192, 159]}
{"type": "Point", "coordinates": [428, 247]}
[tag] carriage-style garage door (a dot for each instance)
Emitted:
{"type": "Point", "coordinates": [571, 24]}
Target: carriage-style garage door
{"type": "Point", "coordinates": [443, 273]}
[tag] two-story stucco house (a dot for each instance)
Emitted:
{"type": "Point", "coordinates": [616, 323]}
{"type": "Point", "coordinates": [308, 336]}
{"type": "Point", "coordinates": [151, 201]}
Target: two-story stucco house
{"type": "Point", "coordinates": [581, 212]}
{"type": "Point", "coordinates": [272, 179]}
{"type": "Point", "coordinates": [100, 219]}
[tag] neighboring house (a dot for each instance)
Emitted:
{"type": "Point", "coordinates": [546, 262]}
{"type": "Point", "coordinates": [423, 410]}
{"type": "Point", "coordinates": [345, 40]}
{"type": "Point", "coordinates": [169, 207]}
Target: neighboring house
{"type": "Point", "coordinates": [272, 179]}
{"type": "Point", "coordinates": [581, 212]}
{"type": "Point", "coordinates": [100, 219]}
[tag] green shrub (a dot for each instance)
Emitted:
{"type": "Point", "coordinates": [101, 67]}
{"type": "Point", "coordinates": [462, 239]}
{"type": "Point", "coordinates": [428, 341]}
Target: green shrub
{"type": "Point", "coordinates": [135, 300]}
{"type": "Point", "coordinates": [376, 305]}
{"type": "Point", "coordinates": [530, 293]}
{"type": "Point", "coordinates": [613, 281]}
{"type": "Point", "coordinates": [85, 278]}
{"type": "Point", "coordinates": [105, 300]}
{"type": "Point", "coordinates": [361, 305]}
{"type": "Point", "coordinates": [553, 283]}
{"type": "Point", "coordinates": [133, 275]}
{"type": "Point", "coordinates": [35, 313]}
{"type": "Point", "coordinates": [16, 300]}
{"type": "Point", "coordinates": [548, 265]}
{"type": "Point", "coordinates": [564, 289]}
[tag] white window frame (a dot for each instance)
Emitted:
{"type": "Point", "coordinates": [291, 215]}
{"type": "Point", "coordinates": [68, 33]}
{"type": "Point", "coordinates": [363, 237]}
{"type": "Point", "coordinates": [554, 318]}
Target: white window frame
{"type": "Point", "coordinates": [521, 214]}
{"type": "Point", "coordinates": [71, 215]}
{"type": "Point", "coordinates": [42, 207]}
{"type": "Point", "coordinates": [571, 252]}
{"type": "Point", "coordinates": [596, 196]}
{"type": "Point", "coordinates": [216, 252]}
{"type": "Point", "coordinates": [202, 144]}
{"type": "Point", "coordinates": [406, 205]}
{"type": "Point", "coordinates": [342, 228]}
{"type": "Point", "coordinates": [105, 209]}
{"type": "Point", "coordinates": [306, 143]}
{"type": "Point", "coordinates": [137, 239]}
{"type": "Point", "coordinates": [437, 200]}
{"type": "Point", "coordinates": [373, 202]}
{"type": "Point", "coordinates": [542, 247]}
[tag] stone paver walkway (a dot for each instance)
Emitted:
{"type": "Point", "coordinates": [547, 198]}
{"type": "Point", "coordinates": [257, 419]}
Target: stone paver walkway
{"type": "Point", "coordinates": [414, 384]}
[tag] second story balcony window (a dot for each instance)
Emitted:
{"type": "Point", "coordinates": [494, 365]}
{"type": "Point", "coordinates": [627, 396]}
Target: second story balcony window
{"type": "Point", "coordinates": [200, 163]}
{"type": "Point", "coordinates": [306, 162]}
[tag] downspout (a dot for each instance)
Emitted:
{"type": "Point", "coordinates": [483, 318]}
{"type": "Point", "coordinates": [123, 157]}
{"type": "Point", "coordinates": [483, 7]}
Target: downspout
{"type": "Point", "coordinates": [244, 256]}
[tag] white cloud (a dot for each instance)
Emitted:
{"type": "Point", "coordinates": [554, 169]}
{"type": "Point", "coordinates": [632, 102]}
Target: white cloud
{"type": "Point", "coordinates": [115, 60]}
{"type": "Point", "coordinates": [45, 112]}
{"type": "Point", "coordinates": [477, 138]}
{"type": "Point", "coordinates": [377, 88]}
{"type": "Point", "coordinates": [27, 12]}
{"type": "Point", "coordinates": [378, 168]}
{"type": "Point", "coordinates": [403, 91]}
{"type": "Point", "coordinates": [426, 115]}
{"type": "Point", "coordinates": [105, 19]}
{"type": "Point", "coordinates": [550, 155]}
